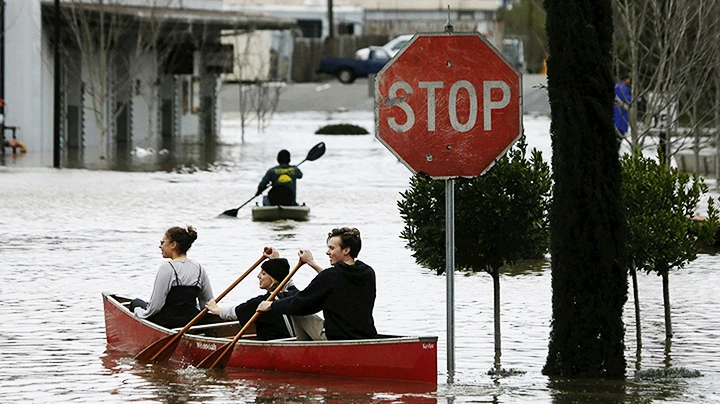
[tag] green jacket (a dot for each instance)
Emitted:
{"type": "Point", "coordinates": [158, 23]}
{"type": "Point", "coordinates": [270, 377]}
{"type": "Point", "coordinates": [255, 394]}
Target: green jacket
{"type": "Point", "coordinates": [281, 175]}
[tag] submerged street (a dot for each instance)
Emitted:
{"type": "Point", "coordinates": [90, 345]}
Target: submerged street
{"type": "Point", "coordinates": [67, 235]}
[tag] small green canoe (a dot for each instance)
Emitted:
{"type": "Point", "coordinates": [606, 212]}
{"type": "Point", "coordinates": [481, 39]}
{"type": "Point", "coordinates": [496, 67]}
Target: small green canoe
{"type": "Point", "coordinates": [272, 213]}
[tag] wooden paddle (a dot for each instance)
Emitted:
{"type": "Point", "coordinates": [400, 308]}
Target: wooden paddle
{"type": "Point", "coordinates": [162, 349]}
{"type": "Point", "coordinates": [221, 356]}
{"type": "Point", "coordinates": [315, 153]}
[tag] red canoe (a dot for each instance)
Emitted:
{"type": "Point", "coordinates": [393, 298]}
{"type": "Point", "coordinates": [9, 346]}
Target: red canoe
{"type": "Point", "coordinates": [411, 359]}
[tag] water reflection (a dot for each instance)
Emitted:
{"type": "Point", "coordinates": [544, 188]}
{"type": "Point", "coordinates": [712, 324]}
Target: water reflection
{"type": "Point", "coordinates": [525, 267]}
{"type": "Point", "coordinates": [172, 385]}
{"type": "Point", "coordinates": [570, 391]}
{"type": "Point", "coordinates": [632, 391]}
{"type": "Point", "coordinates": [172, 155]}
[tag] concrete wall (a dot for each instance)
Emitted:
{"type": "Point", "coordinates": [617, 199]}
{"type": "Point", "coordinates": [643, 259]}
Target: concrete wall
{"type": "Point", "coordinates": [25, 70]}
{"type": "Point", "coordinates": [145, 101]}
{"type": "Point", "coordinates": [47, 78]}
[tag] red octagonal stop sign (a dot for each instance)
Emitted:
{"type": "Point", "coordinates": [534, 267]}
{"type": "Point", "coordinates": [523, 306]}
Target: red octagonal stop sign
{"type": "Point", "coordinates": [448, 105]}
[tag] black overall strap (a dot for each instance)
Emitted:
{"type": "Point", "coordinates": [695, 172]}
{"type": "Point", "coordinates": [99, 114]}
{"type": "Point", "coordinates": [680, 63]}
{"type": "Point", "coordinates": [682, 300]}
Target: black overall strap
{"type": "Point", "coordinates": [177, 280]}
{"type": "Point", "coordinates": [197, 283]}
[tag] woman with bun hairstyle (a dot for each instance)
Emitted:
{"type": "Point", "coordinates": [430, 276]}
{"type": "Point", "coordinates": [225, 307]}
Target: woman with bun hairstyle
{"type": "Point", "coordinates": [268, 326]}
{"type": "Point", "coordinates": [181, 286]}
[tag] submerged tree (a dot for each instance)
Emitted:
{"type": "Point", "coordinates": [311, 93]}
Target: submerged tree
{"type": "Point", "coordinates": [500, 217]}
{"type": "Point", "coordinates": [587, 220]}
{"type": "Point", "coordinates": [526, 20]}
{"type": "Point", "coordinates": [661, 203]}
{"type": "Point", "coordinates": [259, 88]}
{"type": "Point", "coordinates": [671, 50]}
{"type": "Point", "coordinates": [96, 33]}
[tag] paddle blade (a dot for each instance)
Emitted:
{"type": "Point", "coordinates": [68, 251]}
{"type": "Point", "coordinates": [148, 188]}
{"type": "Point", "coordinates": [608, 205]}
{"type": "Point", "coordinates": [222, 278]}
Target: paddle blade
{"type": "Point", "coordinates": [219, 358]}
{"type": "Point", "coordinates": [230, 212]}
{"type": "Point", "coordinates": [316, 152]}
{"type": "Point", "coordinates": [160, 350]}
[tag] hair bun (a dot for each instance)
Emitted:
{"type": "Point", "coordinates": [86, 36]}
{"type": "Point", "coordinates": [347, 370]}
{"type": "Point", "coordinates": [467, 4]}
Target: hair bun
{"type": "Point", "coordinates": [192, 233]}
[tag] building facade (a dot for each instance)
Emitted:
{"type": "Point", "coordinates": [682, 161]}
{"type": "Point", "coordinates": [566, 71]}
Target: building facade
{"type": "Point", "coordinates": [140, 74]}
{"type": "Point", "coordinates": [383, 17]}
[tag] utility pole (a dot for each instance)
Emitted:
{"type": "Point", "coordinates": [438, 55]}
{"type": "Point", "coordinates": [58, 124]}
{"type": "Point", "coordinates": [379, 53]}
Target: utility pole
{"type": "Point", "coordinates": [331, 24]}
{"type": "Point", "coordinates": [56, 93]}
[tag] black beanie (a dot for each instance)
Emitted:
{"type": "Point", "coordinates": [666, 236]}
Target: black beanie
{"type": "Point", "coordinates": [283, 157]}
{"type": "Point", "coordinates": [278, 268]}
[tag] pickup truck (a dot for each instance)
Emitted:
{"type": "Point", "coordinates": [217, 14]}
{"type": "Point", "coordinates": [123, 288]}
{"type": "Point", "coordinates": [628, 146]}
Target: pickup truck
{"type": "Point", "coordinates": [347, 70]}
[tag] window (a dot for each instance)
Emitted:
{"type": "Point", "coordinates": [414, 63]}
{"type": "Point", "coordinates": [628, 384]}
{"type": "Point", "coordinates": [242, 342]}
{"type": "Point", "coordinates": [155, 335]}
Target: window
{"type": "Point", "coordinates": [310, 28]}
{"type": "Point", "coordinates": [345, 28]}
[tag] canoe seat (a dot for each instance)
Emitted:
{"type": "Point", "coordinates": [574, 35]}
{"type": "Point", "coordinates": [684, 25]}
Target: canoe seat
{"type": "Point", "coordinates": [208, 326]}
{"type": "Point", "coordinates": [220, 330]}
{"type": "Point", "coordinates": [283, 339]}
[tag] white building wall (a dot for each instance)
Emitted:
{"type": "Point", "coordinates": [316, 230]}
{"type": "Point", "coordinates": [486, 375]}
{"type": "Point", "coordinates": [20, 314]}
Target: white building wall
{"type": "Point", "coordinates": [350, 14]}
{"type": "Point", "coordinates": [145, 96]}
{"type": "Point", "coordinates": [29, 89]}
{"type": "Point", "coordinates": [190, 118]}
{"type": "Point", "coordinates": [47, 88]}
{"type": "Point", "coordinates": [91, 138]}
{"type": "Point", "coordinates": [251, 56]}
{"type": "Point", "coordinates": [194, 4]}
{"type": "Point", "coordinates": [24, 73]}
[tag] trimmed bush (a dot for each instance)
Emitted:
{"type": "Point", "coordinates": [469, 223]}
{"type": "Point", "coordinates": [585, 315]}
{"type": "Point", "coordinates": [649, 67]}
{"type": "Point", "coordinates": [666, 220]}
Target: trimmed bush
{"type": "Point", "coordinates": [342, 129]}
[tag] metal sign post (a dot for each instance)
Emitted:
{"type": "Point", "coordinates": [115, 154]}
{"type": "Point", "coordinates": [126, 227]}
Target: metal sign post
{"type": "Point", "coordinates": [448, 104]}
{"type": "Point", "coordinates": [450, 275]}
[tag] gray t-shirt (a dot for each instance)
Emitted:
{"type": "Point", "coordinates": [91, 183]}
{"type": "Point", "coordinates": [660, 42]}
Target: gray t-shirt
{"type": "Point", "coordinates": [187, 274]}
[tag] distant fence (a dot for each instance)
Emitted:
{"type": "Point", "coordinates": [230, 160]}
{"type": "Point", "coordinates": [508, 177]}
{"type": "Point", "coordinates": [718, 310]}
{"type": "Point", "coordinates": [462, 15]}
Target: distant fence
{"type": "Point", "coordinates": [308, 52]}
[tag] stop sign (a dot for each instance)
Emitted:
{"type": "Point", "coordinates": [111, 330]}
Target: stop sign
{"type": "Point", "coordinates": [448, 105]}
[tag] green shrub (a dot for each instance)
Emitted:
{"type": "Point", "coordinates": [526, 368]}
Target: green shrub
{"type": "Point", "coordinates": [342, 129]}
{"type": "Point", "coordinates": [500, 217]}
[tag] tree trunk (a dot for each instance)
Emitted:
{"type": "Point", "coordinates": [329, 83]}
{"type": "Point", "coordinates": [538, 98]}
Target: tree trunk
{"type": "Point", "coordinates": [666, 301]}
{"type": "Point", "coordinates": [496, 312]}
{"type": "Point", "coordinates": [717, 127]}
{"type": "Point", "coordinates": [242, 108]}
{"type": "Point", "coordinates": [638, 329]}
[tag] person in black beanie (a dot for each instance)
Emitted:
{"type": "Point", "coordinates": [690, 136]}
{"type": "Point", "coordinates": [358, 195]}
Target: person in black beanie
{"type": "Point", "coordinates": [268, 325]}
{"type": "Point", "coordinates": [283, 179]}
{"type": "Point", "coordinates": [345, 293]}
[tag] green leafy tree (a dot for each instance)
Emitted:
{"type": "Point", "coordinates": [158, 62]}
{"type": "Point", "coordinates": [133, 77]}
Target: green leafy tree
{"type": "Point", "coordinates": [526, 20]}
{"type": "Point", "coordinates": [660, 204]}
{"type": "Point", "coordinates": [587, 219]}
{"type": "Point", "coordinates": [500, 217]}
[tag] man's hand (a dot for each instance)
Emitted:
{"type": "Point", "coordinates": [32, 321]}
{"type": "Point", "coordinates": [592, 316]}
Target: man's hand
{"type": "Point", "coordinates": [306, 256]}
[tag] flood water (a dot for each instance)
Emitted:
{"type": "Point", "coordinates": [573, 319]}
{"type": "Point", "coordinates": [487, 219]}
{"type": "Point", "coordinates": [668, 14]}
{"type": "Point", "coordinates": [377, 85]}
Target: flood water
{"type": "Point", "coordinates": [67, 235]}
